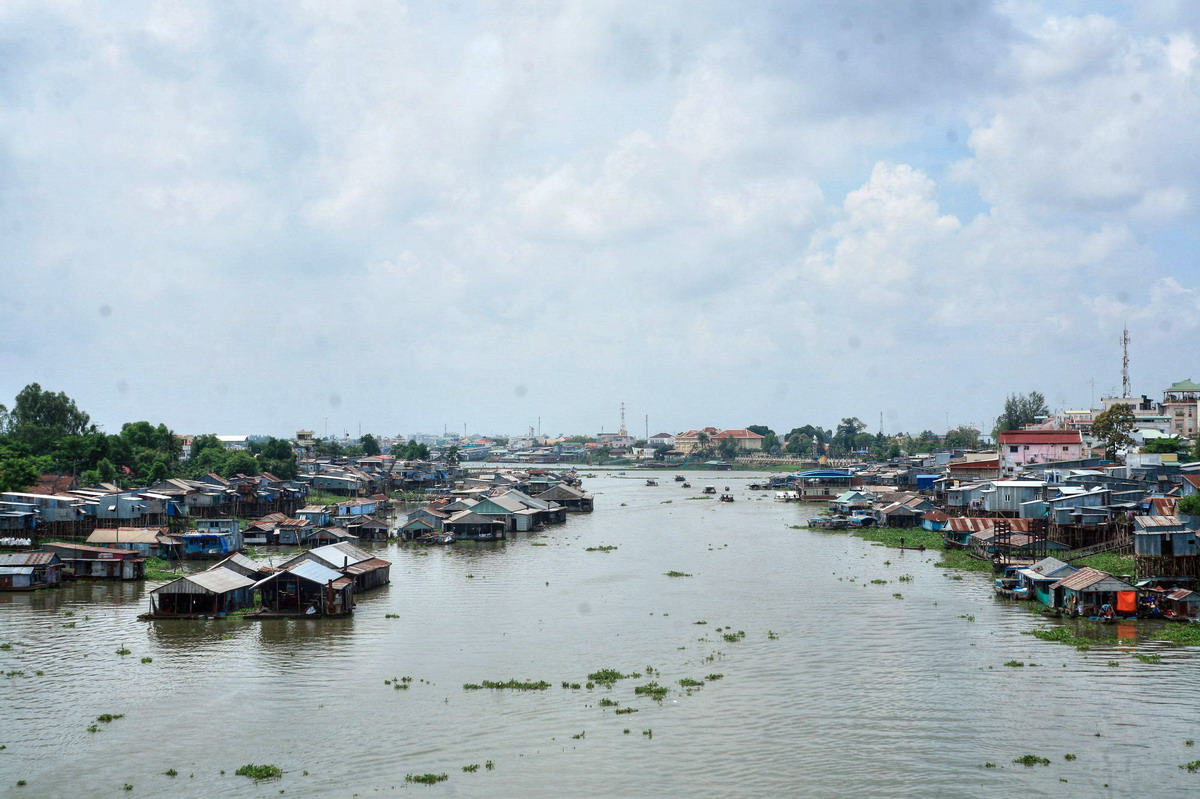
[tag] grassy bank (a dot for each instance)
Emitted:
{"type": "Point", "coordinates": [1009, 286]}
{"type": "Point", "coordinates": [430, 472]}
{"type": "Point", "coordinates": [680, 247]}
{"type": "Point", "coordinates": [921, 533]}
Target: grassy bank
{"type": "Point", "coordinates": [917, 537]}
{"type": "Point", "coordinates": [159, 569]}
{"type": "Point", "coordinates": [1109, 562]}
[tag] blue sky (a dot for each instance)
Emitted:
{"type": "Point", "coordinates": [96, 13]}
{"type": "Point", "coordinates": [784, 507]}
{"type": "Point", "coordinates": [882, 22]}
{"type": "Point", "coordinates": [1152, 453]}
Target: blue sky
{"type": "Point", "coordinates": [254, 218]}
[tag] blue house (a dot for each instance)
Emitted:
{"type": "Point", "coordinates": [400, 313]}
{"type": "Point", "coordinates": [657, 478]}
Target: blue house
{"type": "Point", "coordinates": [209, 545]}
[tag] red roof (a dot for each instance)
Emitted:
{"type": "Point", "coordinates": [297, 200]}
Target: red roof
{"type": "Point", "coordinates": [994, 463]}
{"type": "Point", "coordinates": [737, 434]}
{"type": "Point", "coordinates": [1040, 437]}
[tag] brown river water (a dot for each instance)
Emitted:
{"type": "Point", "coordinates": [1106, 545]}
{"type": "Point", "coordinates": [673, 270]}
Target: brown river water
{"type": "Point", "coordinates": [838, 687]}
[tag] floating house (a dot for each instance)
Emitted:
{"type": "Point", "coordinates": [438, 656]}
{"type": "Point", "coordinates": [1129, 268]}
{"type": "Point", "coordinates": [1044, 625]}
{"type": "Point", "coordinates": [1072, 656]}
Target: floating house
{"type": "Point", "coordinates": [207, 593]}
{"type": "Point", "coordinates": [816, 485]}
{"type": "Point", "coordinates": [307, 588]}
{"type": "Point", "coordinates": [571, 498]}
{"type": "Point", "coordinates": [1181, 604]}
{"type": "Point", "coordinates": [209, 545]}
{"type": "Point", "coordinates": [82, 561]}
{"type": "Point", "coordinates": [1084, 592]}
{"type": "Point", "coordinates": [26, 571]}
{"type": "Point", "coordinates": [468, 526]}
{"type": "Point", "coordinates": [148, 542]}
{"type": "Point", "coordinates": [1034, 582]}
{"type": "Point", "coordinates": [366, 570]}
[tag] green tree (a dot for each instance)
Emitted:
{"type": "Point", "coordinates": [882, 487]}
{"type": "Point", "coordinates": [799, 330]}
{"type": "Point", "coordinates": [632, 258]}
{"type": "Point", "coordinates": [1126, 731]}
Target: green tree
{"type": "Point", "coordinates": [728, 449]}
{"type": "Point", "coordinates": [1189, 505]}
{"type": "Point", "coordinates": [205, 442]}
{"type": "Point", "coordinates": [452, 455]}
{"type": "Point", "coordinates": [1164, 445]}
{"type": "Point", "coordinates": [18, 469]}
{"type": "Point", "coordinates": [799, 440]}
{"type": "Point", "coordinates": [770, 440]}
{"type": "Point", "coordinates": [846, 433]}
{"type": "Point", "coordinates": [1113, 428]}
{"type": "Point", "coordinates": [962, 438]}
{"type": "Point", "coordinates": [241, 463]}
{"type": "Point", "coordinates": [38, 419]}
{"type": "Point", "coordinates": [370, 445]}
{"type": "Point", "coordinates": [105, 471]}
{"type": "Point", "coordinates": [1020, 410]}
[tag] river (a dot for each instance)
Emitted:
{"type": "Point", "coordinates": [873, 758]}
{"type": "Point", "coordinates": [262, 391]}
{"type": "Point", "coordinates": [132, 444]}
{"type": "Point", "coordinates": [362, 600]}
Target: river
{"type": "Point", "coordinates": [839, 685]}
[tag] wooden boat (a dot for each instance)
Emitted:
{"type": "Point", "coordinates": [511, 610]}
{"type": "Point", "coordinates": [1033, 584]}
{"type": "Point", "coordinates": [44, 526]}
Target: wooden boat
{"type": "Point", "coordinates": [686, 485]}
{"type": "Point", "coordinates": [651, 482]}
{"type": "Point", "coordinates": [710, 489]}
{"type": "Point", "coordinates": [679, 478]}
{"type": "Point", "coordinates": [726, 498]}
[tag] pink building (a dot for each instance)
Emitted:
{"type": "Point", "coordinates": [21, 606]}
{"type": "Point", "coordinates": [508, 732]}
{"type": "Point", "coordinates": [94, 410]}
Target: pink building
{"type": "Point", "coordinates": [1019, 447]}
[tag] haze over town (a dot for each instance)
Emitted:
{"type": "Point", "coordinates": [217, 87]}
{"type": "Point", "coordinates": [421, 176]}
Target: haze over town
{"type": "Point", "coordinates": [401, 218]}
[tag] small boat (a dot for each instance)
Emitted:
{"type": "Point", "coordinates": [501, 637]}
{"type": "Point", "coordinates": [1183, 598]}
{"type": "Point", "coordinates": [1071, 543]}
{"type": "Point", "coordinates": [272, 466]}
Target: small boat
{"type": "Point", "coordinates": [727, 498]}
{"type": "Point", "coordinates": [710, 489]}
{"type": "Point", "coordinates": [651, 482]}
{"type": "Point", "coordinates": [679, 478]}
{"type": "Point", "coordinates": [686, 485]}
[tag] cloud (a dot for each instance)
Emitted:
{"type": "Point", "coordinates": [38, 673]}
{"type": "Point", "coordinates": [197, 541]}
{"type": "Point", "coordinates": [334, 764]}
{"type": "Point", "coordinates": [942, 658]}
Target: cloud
{"type": "Point", "coordinates": [716, 213]}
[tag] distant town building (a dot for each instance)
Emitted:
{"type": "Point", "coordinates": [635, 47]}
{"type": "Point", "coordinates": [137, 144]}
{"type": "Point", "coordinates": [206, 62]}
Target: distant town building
{"type": "Point", "coordinates": [1179, 406]}
{"type": "Point", "coordinates": [1019, 447]}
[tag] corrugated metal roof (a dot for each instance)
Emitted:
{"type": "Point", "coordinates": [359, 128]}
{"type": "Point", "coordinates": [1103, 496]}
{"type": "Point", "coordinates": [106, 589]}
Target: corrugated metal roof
{"type": "Point", "coordinates": [34, 558]}
{"type": "Point", "coordinates": [975, 524]}
{"type": "Point", "coordinates": [124, 536]}
{"type": "Point", "coordinates": [341, 553]}
{"type": "Point", "coordinates": [1148, 522]}
{"type": "Point", "coordinates": [368, 566]}
{"type": "Point", "coordinates": [311, 570]}
{"type": "Point", "coordinates": [1087, 577]}
{"type": "Point", "coordinates": [213, 581]}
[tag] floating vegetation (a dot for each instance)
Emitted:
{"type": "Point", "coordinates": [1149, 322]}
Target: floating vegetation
{"type": "Point", "coordinates": [6, 646]}
{"type": "Point", "coordinates": [512, 685]}
{"type": "Point", "coordinates": [905, 578]}
{"type": "Point", "coordinates": [711, 677]}
{"type": "Point", "coordinates": [677, 574]}
{"type": "Point", "coordinates": [489, 765]}
{"type": "Point", "coordinates": [108, 718]}
{"type": "Point", "coordinates": [967, 616]}
{"type": "Point", "coordinates": [255, 772]}
{"type": "Point", "coordinates": [700, 622]}
{"type": "Point", "coordinates": [665, 502]}
{"type": "Point", "coordinates": [124, 651]}
{"type": "Point", "coordinates": [1015, 664]}
{"type": "Point", "coordinates": [1192, 767]}
{"type": "Point", "coordinates": [772, 635]}
{"type": "Point", "coordinates": [1068, 757]}
{"type": "Point", "coordinates": [602, 548]}
{"type": "Point", "coordinates": [68, 613]}
{"type": "Point", "coordinates": [733, 638]}
{"type": "Point", "coordinates": [14, 674]}
{"type": "Point", "coordinates": [472, 686]}
{"type": "Point", "coordinates": [879, 582]}
{"type": "Point", "coordinates": [147, 659]}
{"type": "Point", "coordinates": [127, 787]}
{"type": "Point", "coordinates": [1031, 760]}
{"type": "Point", "coordinates": [426, 779]}
{"type": "Point", "coordinates": [1148, 658]}
{"type": "Point", "coordinates": [625, 711]}
{"type": "Point", "coordinates": [626, 731]}
{"type": "Point", "coordinates": [537, 544]}
{"type": "Point", "coordinates": [989, 764]}
{"type": "Point", "coordinates": [1188, 742]}
{"type": "Point", "coordinates": [171, 772]}
{"type": "Point", "coordinates": [1063, 636]}
{"type": "Point", "coordinates": [688, 682]}
{"type": "Point", "coordinates": [607, 676]}
{"type": "Point", "coordinates": [574, 686]}
{"type": "Point", "coordinates": [606, 702]}
{"type": "Point", "coordinates": [648, 733]}
{"type": "Point", "coordinates": [898, 596]}
{"type": "Point", "coordinates": [470, 576]}
{"type": "Point", "coordinates": [69, 625]}
{"type": "Point", "coordinates": [471, 769]}
{"type": "Point", "coordinates": [653, 690]}
{"type": "Point", "coordinates": [93, 728]}
{"type": "Point", "coordinates": [391, 615]}
{"type": "Point", "coordinates": [579, 736]}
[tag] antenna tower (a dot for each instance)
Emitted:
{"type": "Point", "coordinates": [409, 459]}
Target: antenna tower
{"type": "Point", "coordinates": [623, 431]}
{"type": "Point", "coordinates": [1126, 391]}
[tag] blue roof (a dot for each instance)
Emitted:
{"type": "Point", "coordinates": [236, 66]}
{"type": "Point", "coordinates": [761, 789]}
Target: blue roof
{"type": "Point", "coordinates": [822, 473]}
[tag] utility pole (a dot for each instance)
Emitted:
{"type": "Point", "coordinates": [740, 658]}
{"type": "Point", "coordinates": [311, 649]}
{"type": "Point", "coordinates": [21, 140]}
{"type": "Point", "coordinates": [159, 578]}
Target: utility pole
{"type": "Point", "coordinates": [1126, 391]}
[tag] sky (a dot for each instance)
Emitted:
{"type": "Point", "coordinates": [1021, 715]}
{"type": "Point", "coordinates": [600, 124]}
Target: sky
{"type": "Point", "coordinates": [251, 218]}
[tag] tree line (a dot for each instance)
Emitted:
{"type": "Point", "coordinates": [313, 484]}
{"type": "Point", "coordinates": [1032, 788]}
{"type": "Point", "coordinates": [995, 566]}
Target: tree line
{"type": "Point", "coordinates": [47, 433]}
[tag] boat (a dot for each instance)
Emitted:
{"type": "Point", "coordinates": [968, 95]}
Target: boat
{"type": "Point", "coordinates": [710, 489]}
{"type": "Point", "coordinates": [679, 478]}
{"type": "Point", "coordinates": [726, 498]}
{"type": "Point", "coordinates": [686, 485]}
{"type": "Point", "coordinates": [651, 482]}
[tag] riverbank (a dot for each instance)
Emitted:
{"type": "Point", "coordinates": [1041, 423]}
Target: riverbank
{"type": "Point", "coordinates": [913, 537]}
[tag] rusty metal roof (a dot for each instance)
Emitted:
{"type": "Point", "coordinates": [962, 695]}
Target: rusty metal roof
{"type": "Point", "coordinates": [1087, 577]}
{"type": "Point", "coordinates": [975, 524]}
{"type": "Point", "coordinates": [34, 558]}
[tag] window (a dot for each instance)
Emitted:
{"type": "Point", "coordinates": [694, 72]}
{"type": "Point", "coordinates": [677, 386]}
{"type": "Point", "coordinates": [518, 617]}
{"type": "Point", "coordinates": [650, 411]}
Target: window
{"type": "Point", "coordinates": [1066, 449]}
{"type": "Point", "coordinates": [1012, 448]}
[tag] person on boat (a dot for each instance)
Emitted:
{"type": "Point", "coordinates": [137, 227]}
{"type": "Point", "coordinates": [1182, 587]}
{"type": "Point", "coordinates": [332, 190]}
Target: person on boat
{"type": "Point", "coordinates": [1106, 611]}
